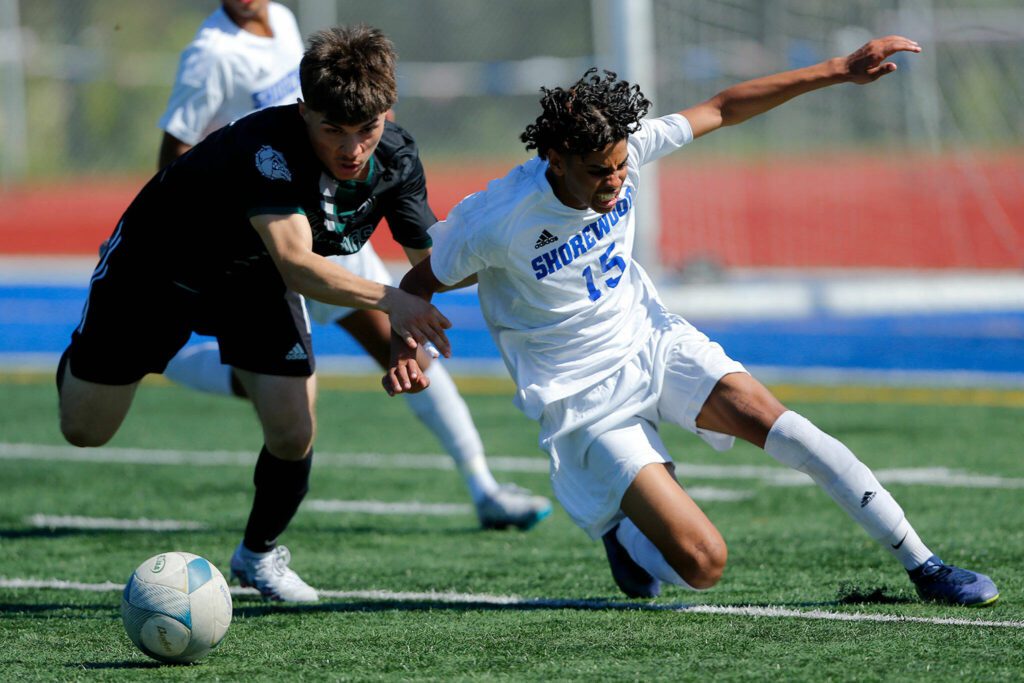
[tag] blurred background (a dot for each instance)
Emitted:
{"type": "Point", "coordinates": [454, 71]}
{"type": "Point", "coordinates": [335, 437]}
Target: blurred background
{"type": "Point", "coordinates": [873, 232]}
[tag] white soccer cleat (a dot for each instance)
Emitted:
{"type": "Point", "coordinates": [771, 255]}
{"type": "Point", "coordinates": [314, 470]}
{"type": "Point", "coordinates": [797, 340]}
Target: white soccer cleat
{"type": "Point", "coordinates": [511, 505]}
{"type": "Point", "coordinates": [270, 575]}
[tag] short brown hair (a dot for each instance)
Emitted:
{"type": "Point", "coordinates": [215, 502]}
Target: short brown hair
{"type": "Point", "coordinates": [348, 73]}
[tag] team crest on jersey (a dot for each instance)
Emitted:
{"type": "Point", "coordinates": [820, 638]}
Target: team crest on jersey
{"type": "Point", "coordinates": [271, 164]}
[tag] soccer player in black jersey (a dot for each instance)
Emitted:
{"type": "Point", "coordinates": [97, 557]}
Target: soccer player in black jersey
{"type": "Point", "coordinates": [226, 241]}
{"type": "Point", "coordinates": [246, 56]}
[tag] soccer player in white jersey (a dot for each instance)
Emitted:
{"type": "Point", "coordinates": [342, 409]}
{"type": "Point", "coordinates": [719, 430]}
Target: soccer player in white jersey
{"type": "Point", "coordinates": [245, 57]}
{"type": "Point", "coordinates": [600, 362]}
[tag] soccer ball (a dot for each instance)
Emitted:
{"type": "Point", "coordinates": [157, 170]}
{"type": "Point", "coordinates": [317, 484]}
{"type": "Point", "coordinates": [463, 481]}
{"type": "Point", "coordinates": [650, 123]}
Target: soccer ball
{"type": "Point", "coordinates": [176, 607]}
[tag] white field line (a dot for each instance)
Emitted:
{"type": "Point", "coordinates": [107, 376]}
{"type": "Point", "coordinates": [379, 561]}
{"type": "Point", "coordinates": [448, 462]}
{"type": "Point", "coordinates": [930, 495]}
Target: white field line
{"type": "Point", "coordinates": [771, 475]}
{"type": "Point", "coordinates": [513, 601]}
{"type": "Point", "coordinates": [78, 522]}
{"type": "Point", "coordinates": [713, 493]}
{"type": "Point", "coordinates": [380, 507]}
{"type": "Point", "coordinates": [366, 507]}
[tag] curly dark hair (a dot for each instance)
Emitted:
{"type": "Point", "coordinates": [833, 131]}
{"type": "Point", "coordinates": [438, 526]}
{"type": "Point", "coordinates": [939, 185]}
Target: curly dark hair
{"type": "Point", "coordinates": [592, 114]}
{"type": "Point", "coordinates": [348, 73]}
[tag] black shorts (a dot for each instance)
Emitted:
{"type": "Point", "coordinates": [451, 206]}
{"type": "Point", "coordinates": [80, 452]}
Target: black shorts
{"type": "Point", "coordinates": [136, 319]}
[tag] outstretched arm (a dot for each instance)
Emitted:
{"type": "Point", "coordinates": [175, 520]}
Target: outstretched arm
{"type": "Point", "coordinates": [750, 98]}
{"type": "Point", "coordinates": [404, 374]}
{"type": "Point", "coordinates": [289, 240]}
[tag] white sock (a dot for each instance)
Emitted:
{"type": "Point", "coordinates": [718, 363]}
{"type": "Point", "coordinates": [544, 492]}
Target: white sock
{"type": "Point", "coordinates": [645, 554]}
{"type": "Point", "coordinates": [795, 442]}
{"type": "Point", "coordinates": [199, 367]}
{"type": "Point", "coordinates": [445, 413]}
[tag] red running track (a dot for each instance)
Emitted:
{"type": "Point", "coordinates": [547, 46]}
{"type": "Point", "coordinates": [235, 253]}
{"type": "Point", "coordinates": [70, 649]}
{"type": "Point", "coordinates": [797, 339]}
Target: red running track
{"type": "Point", "coordinates": [846, 212]}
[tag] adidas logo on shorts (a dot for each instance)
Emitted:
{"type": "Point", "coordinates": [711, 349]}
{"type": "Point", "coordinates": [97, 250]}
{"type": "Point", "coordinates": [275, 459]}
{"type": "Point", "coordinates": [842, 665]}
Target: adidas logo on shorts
{"type": "Point", "coordinates": [544, 240]}
{"type": "Point", "coordinates": [297, 353]}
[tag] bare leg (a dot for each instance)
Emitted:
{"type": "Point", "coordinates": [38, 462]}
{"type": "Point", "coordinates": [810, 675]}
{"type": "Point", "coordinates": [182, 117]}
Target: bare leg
{"type": "Point", "coordinates": [285, 407]}
{"type": "Point", "coordinates": [440, 408]}
{"type": "Point", "coordinates": [680, 530]}
{"type": "Point", "coordinates": [91, 413]}
{"type": "Point", "coordinates": [741, 406]}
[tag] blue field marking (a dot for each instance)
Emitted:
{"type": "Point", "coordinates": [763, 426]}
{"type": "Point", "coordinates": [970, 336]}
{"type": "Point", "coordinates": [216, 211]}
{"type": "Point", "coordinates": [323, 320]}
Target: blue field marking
{"type": "Point", "coordinates": [39, 319]}
{"type": "Point", "coordinates": [962, 342]}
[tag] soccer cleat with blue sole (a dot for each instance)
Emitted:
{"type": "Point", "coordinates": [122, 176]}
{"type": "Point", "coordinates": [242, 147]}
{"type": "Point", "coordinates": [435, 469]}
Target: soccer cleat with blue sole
{"type": "Point", "coordinates": [631, 578]}
{"type": "Point", "coordinates": [937, 581]}
{"type": "Point", "coordinates": [510, 505]}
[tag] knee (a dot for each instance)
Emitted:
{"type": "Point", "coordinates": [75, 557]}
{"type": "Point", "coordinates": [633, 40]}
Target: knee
{"type": "Point", "coordinates": [710, 565]}
{"type": "Point", "coordinates": [703, 562]}
{"type": "Point", "coordinates": [82, 434]}
{"type": "Point", "coordinates": [291, 443]}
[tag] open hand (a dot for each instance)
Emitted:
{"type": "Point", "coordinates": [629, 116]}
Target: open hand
{"type": "Point", "coordinates": [867, 64]}
{"type": "Point", "coordinates": [417, 321]}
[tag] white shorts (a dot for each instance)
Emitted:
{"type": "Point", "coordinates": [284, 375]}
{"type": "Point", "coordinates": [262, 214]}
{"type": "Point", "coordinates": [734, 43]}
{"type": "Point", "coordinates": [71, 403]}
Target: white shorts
{"type": "Point", "coordinates": [364, 263]}
{"type": "Point", "coordinates": [601, 438]}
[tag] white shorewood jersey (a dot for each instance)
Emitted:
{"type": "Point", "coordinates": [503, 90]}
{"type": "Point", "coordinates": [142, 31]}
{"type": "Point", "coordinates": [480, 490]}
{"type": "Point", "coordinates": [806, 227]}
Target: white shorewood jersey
{"type": "Point", "coordinates": [563, 299]}
{"type": "Point", "coordinates": [226, 73]}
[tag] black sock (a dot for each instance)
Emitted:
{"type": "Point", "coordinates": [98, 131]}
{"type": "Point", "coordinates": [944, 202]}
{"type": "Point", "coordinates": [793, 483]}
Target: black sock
{"type": "Point", "coordinates": [280, 487]}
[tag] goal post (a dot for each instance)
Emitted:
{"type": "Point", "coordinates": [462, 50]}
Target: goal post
{"type": "Point", "coordinates": [624, 43]}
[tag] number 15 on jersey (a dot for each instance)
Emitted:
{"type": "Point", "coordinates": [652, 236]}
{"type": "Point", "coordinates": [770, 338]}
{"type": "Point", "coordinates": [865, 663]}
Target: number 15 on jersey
{"type": "Point", "coordinates": [609, 261]}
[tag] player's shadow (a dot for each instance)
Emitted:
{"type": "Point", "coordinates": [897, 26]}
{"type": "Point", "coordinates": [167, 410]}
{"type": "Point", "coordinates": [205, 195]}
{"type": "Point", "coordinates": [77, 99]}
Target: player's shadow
{"type": "Point", "coordinates": [40, 610]}
{"type": "Point", "coordinates": [45, 532]}
{"type": "Point", "coordinates": [65, 532]}
{"type": "Point", "coordinates": [875, 596]}
{"type": "Point", "coordinates": [126, 664]}
{"type": "Point", "coordinates": [882, 595]}
{"type": "Point", "coordinates": [418, 532]}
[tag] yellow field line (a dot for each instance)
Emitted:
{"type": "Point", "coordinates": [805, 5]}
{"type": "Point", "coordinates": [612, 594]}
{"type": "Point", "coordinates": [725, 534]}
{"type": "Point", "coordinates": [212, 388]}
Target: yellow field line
{"type": "Point", "coordinates": [931, 396]}
{"type": "Point", "coordinates": [799, 393]}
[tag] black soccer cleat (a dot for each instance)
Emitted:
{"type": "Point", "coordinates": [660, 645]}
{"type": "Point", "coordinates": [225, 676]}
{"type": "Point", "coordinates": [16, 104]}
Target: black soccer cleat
{"type": "Point", "coordinates": [632, 579]}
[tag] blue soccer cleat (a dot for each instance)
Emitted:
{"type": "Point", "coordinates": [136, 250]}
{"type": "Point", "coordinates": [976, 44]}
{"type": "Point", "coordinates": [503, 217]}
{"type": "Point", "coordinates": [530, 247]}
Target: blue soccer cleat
{"type": "Point", "coordinates": [631, 578]}
{"type": "Point", "coordinates": [940, 582]}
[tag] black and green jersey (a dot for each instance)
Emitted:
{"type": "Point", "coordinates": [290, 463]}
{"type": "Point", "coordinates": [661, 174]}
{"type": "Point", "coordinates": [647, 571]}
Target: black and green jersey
{"type": "Point", "coordinates": [193, 217]}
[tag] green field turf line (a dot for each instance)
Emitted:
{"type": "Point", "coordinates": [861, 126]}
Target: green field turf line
{"type": "Point", "coordinates": [512, 602]}
{"type": "Point", "coordinates": [772, 475]}
{"type": "Point", "coordinates": [807, 393]}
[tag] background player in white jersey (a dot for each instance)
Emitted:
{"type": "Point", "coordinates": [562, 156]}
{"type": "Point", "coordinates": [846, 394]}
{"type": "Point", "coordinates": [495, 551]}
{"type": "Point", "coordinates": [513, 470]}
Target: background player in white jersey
{"type": "Point", "coordinates": [599, 361]}
{"type": "Point", "coordinates": [245, 57]}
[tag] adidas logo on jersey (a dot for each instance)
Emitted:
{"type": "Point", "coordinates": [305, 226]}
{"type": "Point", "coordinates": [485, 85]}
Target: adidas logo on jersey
{"type": "Point", "coordinates": [297, 353]}
{"type": "Point", "coordinates": [544, 240]}
{"type": "Point", "coordinates": [867, 498]}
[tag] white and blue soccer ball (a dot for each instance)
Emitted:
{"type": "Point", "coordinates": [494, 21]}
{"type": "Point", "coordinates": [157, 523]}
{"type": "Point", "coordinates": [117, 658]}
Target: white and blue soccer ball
{"type": "Point", "coordinates": [176, 607]}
